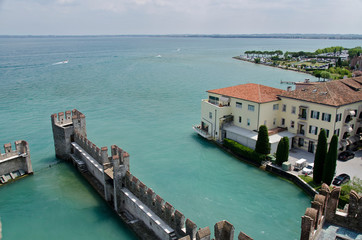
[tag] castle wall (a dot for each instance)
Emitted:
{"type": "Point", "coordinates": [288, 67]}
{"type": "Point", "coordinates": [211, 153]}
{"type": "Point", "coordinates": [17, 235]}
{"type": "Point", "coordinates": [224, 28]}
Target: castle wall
{"type": "Point", "coordinates": [138, 209]}
{"type": "Point", "coordinates": [324, 209]}
{"type": "Point", "coordinates": [17, 159]}
{"type": "Point", "coordinates": [63, 126]}
{"type": "Point", "coordinates": [125, 191]}
{"type": "Point", "coordinates": [92, 165]}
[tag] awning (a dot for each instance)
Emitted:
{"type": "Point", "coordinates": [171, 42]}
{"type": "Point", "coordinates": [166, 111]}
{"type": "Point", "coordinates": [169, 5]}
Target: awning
{"type": "Point", "coordinates": [353, 139]}
{"type": "Point", "coordinates": [224, 99]}
{"type": "Point", "coordinates": [349, 129]}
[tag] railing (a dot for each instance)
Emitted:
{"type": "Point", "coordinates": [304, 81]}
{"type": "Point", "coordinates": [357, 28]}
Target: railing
{"type": "Point", "coordinates": [201, 132]}
{"type": "Point", "coordinates": [217, 104]}
{"type": "Point", "coordinates": [302, 116]}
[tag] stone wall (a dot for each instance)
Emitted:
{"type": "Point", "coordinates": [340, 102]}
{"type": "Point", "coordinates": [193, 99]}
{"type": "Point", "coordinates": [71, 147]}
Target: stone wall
{"type": "Point", "coordinates": [291, 177]}
{"type": "Point", "coordinates": [63, 125]}
{"type": "Point", "coordinates": [125, 190]}
{"type": "Point", "coordinates": [324, 208]}
{"type": "Point", "coordinates": [13, 160]}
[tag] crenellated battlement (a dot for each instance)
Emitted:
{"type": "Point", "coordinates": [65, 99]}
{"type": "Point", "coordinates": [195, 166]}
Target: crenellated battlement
{"type": "Point", "coordinates": [111, 176]}
{"type": "Point", "coordinates": [15, 162]}
{"type": "Point", "coordinates": [99, 154]}
{"type": "Point", "coordinates": [120, 155]}
{"type": "Point", "coordinates": [158, 205]}
{"type": "Point", "coordinates": [324, 208]}
{"type": "Point", "coordinates": [21, 147]}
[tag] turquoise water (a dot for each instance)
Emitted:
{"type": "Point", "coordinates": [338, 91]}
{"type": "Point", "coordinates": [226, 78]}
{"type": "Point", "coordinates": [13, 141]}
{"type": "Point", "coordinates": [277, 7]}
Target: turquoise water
{"type": "Point", "coordinates": [146, 105]}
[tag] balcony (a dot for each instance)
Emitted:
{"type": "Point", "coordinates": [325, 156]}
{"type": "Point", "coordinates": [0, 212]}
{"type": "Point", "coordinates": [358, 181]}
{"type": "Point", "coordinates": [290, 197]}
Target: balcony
{"type": "Point", "coordinates": [217, 103]}
{"type": "Point", "coordinates": [201, 132]}
{"type": "Point", "coordinates": [302, 116]}
{"type": "Point", "coordinates": [303, 113]}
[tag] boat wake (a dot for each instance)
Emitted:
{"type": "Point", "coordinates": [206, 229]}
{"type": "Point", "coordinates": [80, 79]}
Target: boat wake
{"type": "Point", "coordinates": [62, 62]}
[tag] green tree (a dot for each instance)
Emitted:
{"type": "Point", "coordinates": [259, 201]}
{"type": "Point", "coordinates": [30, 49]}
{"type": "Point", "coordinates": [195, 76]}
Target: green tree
{"type": "Point", "coordinates": [286, 149]}
{"type": "Point", "coordinates": [325, 75]}
{"type": "Point", "coordinates": [331, 161]}
{"type": "Point", "coordinates": [257, 60]}
{"type": "Point", "coordinates": [279, 153]}
{"type": "Point", "coordinates": [319, 157]}
{"type": "Point", "coordinates": [317, 74]}
{"type": "Point", "coordinates": [282, 153]}
{"type": "Point", "coordinates": [262, 143]}
{"type": "Point", "coordinates": [339, 62]}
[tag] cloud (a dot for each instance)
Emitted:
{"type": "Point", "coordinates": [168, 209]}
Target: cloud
{"type": "Point", "coordinates": [179, 16]}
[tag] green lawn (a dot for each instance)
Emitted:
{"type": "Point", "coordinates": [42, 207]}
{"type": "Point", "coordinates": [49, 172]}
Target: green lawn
{"type": "Point", "coordinates": [309, 180]}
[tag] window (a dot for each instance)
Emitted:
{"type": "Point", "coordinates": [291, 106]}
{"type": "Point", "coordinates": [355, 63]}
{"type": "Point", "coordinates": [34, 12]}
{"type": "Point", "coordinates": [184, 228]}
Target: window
{"type": "Point", "coordinates": [213, 100]}
{"type": "Point", "coordinates": [303, 113]}
{"type": "Point", "coordinates": [275, 106]}
{"type": "Point", "coordinates": [314, 114]}
{"type": "Point", "coordinates": [239, 104]}
{"type": "Point", "coordinates": [327, 131]}
{"type": "Point", "coordinates": [326, 117]}
{"type": "Point", "coordinates": [274, 121]}
{"type": "Point", "coordinates": [339, 117]}
{"type": "Point", "coordinates": [293, 110]}
{"type": "Point", "coordinates": [336, 132]}
{"type": "Point", "coordinates": [283, 121]}
{"type": "Point", "coordinates": [313, 130]}
{"type": "Point", "coordinates": [284, 109]}
{"type": "Point", "coordinates": [291, 124]}
{"type": "Point", "coordinates": [251, 108]}
{"type": "Point", "coordinates": [210, 115]}
{"type": "Point", "coordinates": [248, 122]}
{"type": "Point", "coordinates": [239, 119]}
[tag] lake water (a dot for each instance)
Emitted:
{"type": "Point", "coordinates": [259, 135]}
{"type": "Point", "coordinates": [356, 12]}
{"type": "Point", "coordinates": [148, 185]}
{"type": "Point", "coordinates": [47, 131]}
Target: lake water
{"type": "Point", "coordinates": [144, 95]}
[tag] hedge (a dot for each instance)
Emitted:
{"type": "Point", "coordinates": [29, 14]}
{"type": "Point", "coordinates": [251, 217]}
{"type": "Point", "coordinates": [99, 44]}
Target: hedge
{"type": "Point", "coordinates": [243, 151]}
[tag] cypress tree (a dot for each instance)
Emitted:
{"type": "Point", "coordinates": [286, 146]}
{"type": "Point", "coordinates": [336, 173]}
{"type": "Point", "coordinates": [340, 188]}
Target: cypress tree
{"type": "Point", "coordinates": [279, 154]}
{"type": "Point", "coordinates": [286, 149]}
{"type": "Point", "coordinates": [320, 156]}
{"type": "Point", "coordinates": [331, 161]}
{"type": "Point", "coordinates": [262, 144]}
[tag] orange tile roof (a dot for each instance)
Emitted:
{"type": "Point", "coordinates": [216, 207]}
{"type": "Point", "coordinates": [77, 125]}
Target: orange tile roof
{"type": "Point", "coordinates": [250, 92]}
{"type": "Point", "coordinates": [333, 93]}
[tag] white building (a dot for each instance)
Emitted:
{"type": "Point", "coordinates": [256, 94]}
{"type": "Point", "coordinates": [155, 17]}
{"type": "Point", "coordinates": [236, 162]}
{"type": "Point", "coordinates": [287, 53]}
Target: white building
{"type": "Point", "coordinates": [237, 113]}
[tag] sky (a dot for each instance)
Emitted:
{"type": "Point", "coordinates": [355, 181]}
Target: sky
{"type": "Point", "coordinates": [117, 17]}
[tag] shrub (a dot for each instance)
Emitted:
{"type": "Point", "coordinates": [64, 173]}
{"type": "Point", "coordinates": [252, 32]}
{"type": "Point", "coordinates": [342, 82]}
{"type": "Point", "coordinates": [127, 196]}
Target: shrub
{"type": "Point", "coordinates": [355, 184]}
{"type": "Point", "coordinates": [243, 151]}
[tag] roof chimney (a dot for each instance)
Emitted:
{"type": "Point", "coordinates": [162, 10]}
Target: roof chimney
{"type": "Point", "coordinates": [289, 88]}
{"type": "Point", "coordinates": [306, 80]}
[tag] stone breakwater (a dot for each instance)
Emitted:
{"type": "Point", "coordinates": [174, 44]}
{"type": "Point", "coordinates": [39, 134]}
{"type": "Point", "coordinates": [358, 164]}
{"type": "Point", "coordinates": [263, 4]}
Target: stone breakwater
{"type": "Point", "coordinates": [145, 212]}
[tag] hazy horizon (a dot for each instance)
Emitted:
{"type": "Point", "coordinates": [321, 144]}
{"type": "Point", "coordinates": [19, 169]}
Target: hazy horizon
{"type": "Point", "coordinates": [187, 17]}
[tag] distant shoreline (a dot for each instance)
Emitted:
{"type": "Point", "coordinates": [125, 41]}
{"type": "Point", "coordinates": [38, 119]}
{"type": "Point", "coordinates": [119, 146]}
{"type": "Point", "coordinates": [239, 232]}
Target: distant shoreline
{"type": "Point", "coordinates": [288, 69]}
{"type": "Point", "coordinates": [281, 36]}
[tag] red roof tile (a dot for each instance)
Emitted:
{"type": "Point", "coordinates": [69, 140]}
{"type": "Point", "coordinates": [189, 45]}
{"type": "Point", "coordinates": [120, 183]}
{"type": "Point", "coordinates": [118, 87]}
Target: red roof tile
{"type": "Point", "coordinates": [250, 92]}
{"type": "Point", "coordinates": [333, 93]}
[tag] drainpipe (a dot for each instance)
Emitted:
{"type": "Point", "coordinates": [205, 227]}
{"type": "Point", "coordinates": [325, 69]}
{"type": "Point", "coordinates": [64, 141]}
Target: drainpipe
{"type": "Point", "coordinates": [215, 124]}
{"type": "Point", "coordinates": [258, 116]}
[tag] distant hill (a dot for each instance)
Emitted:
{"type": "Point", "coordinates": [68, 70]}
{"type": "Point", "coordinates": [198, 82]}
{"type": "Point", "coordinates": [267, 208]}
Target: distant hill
{"type": "Point", "coordinates": [274, 35]}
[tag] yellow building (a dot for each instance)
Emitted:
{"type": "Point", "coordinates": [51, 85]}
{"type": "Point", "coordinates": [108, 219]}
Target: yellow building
{"type": "Point", "coordinates": [237, 112]}
{"type": "Point", "coordinates": [334, 106]}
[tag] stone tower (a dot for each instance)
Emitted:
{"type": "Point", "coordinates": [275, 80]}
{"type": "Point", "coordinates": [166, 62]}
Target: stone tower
{"type": "Point", "coordinates": [63, 126]}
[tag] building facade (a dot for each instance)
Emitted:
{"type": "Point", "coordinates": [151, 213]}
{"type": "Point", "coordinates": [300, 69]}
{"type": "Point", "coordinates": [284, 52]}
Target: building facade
{"type": "Point", "coordinates": [237, 113]}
